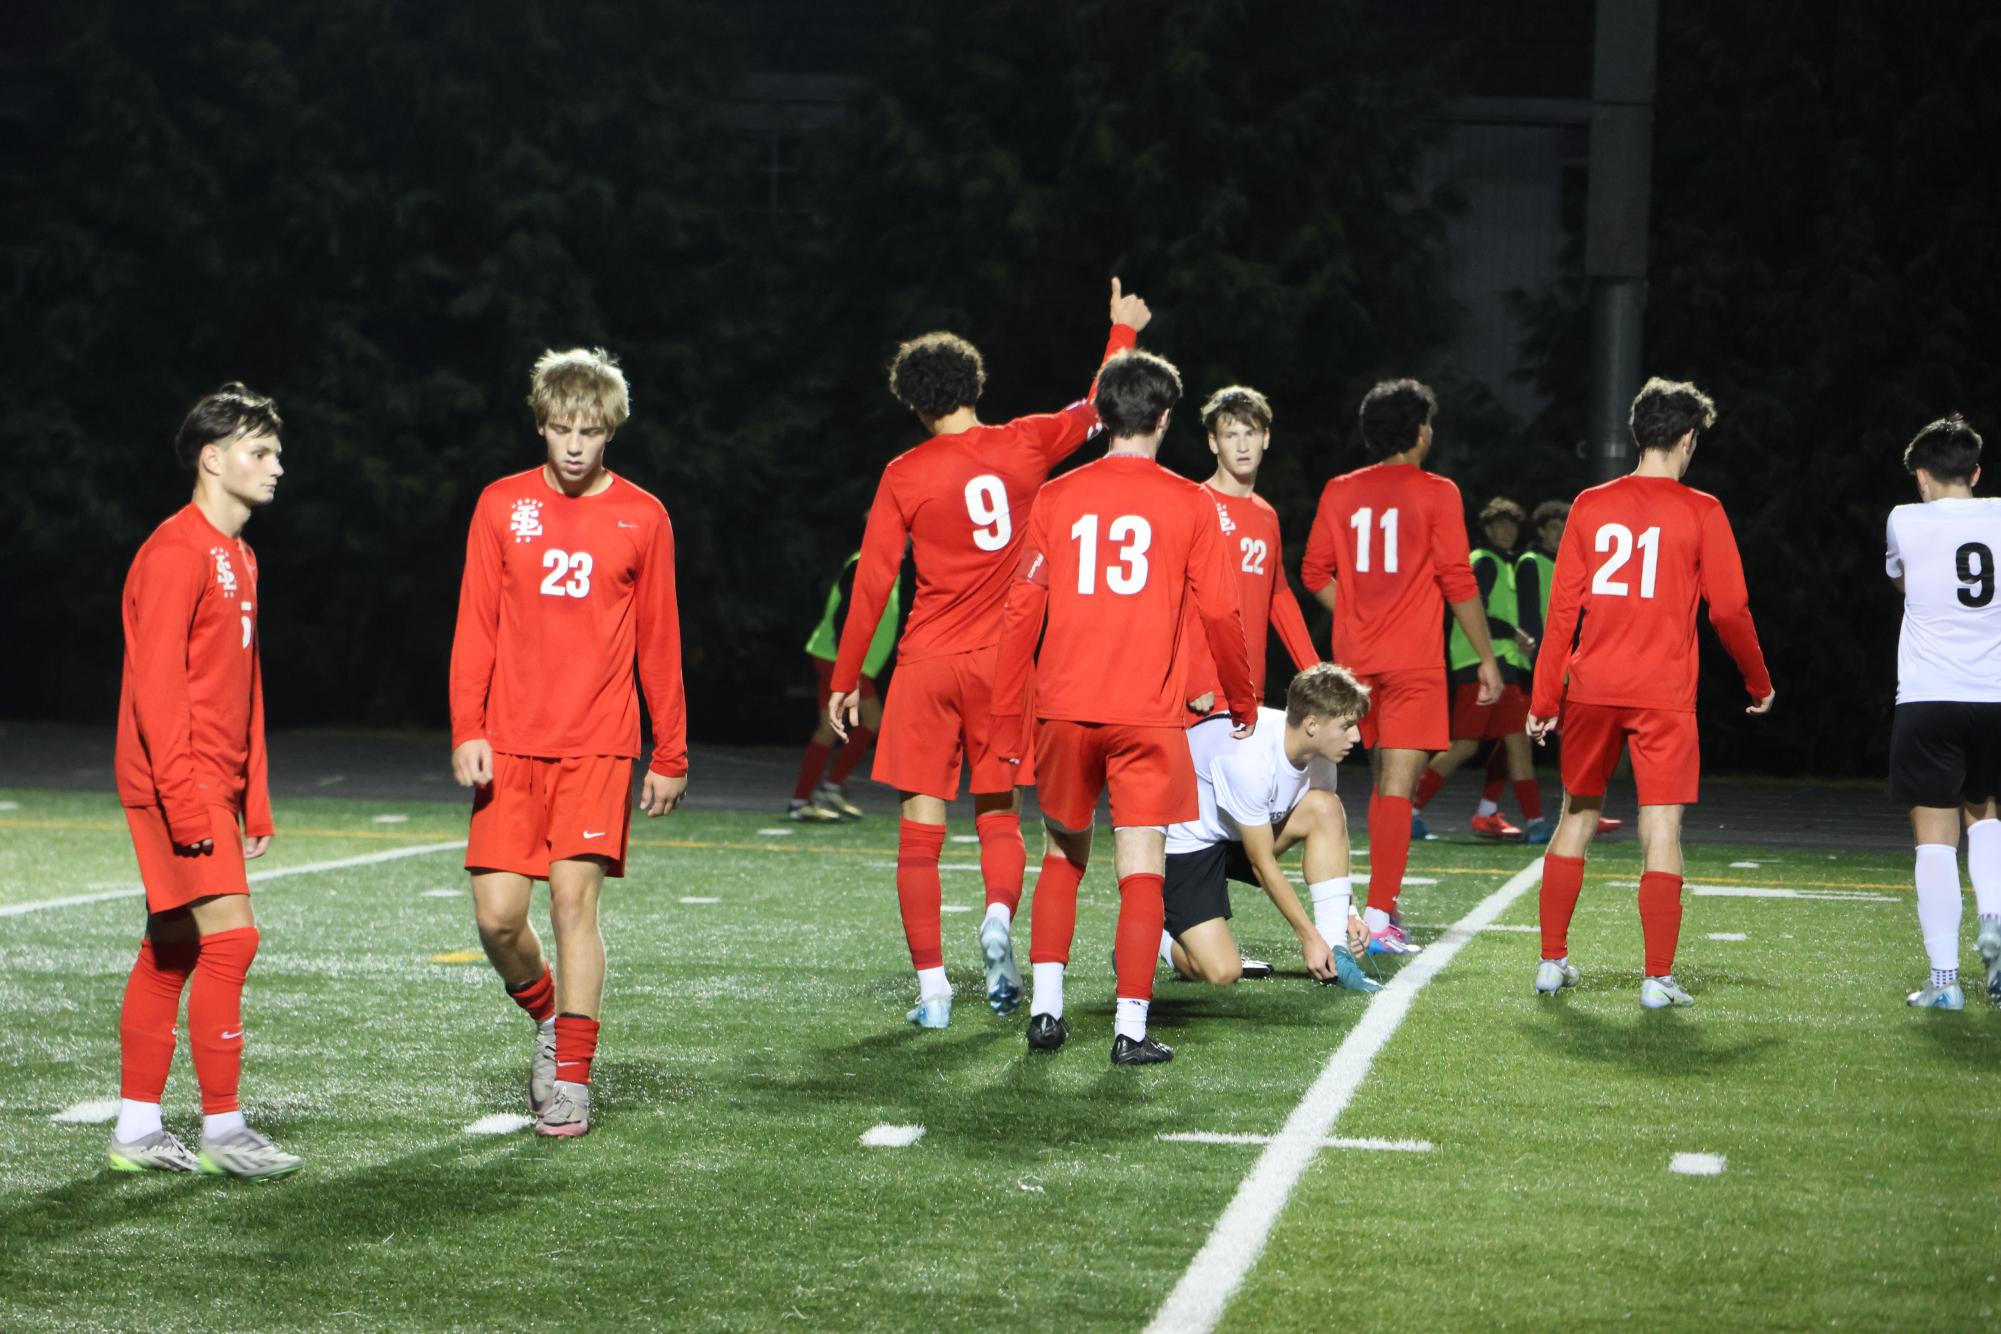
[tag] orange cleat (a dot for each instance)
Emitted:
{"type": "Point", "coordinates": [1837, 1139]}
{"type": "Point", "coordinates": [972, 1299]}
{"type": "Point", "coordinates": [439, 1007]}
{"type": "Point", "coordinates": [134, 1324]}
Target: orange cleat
{"type": "Point", "coordinates": [1610, 826]}
{"type": "Point", "coordinates": [1494, 826]}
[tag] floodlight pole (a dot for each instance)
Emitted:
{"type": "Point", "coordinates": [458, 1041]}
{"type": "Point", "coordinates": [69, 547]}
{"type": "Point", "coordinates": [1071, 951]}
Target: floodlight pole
{"type": "Point", "coordinates": [1615, 240]}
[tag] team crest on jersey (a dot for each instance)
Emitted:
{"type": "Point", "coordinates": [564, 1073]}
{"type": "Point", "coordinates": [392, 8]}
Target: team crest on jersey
{"type": "Point", "coordinates": [1223, 517]}
{"type": "Point", "coordinates": [225, 573]}
{"type": "Point", "coordinates": [526, 521]}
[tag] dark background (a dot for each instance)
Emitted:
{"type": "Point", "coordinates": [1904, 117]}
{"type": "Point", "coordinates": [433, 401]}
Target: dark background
{"type": "Point", "coordinates": [381, 212]}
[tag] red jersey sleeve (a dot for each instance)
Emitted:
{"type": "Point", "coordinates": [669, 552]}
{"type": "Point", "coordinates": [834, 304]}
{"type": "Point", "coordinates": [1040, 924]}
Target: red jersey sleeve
{"type": "Point", "coordinates": [1058, 434]}
{"type": "Point", "coordinates": [1316, 571]}
{"type": "Point", "coordinates": [659, 652]}
{"type": "Point", "coordinates": [1722, 574]}
{"type": "Point", "coordinates": [1014, 658]}
{"type": "Point", "coordinates": [1566, 598]}
{"type": "Point", "coordinates": [1451, 557]}
{"type": "Point", "coordinates": [257, 778]}
{"type": "Point", "coordinates": [875, 574]}
{"type": "Point", "coordinates": [160, 606]}
{"type": "Point", "coordinates": [1290, 623]}
{"type": "Point", "coordinates": [477, 629]}
{"type": "Point", "coordinates": [1215, 600]}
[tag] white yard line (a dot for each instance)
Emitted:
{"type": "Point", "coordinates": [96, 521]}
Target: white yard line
{"type": "Point", "coordinates": [1332, 1142]}
{"type": "Point", "coordinates": [255, 877]}
{"type": "Point", "coordinates": [1220, 1267]}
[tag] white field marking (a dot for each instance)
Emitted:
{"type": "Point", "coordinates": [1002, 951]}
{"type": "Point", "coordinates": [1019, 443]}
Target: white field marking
{"type": "Point", "coordinates": [953, 907]}
{"type": "Point", "coordinates": [442, 894]}
{"type": "Point", "coordinates": [10, 805]}
{"type": "Point", "coordinates": [1522, 928]}
{"type": "Point", "coordinates": [392, 819]}
{"type": "Point", "coordinates": [95, 1112]}
{"type": "Point", "coordinates": [304, 868]}
{"type": "Point", "coordinates": [699, 898]}
{"type": "Point", "coordinates": [965, 838]}
{"type": "Point", "coordinates": [942, 866]}
{"type": "Point", "coordinates": [1698, 1164]}
{"type": "Point", "coordinates": [330, 780]}
{"type": "Point", "coordinates": [1234, 1244]}
{"type": "Point", "coordinates": [1418, 880]}
{"type": "Point", "coordinates": [887, 1136]}
{"type": "Point", "coordinates": [500, 1123]}
{"type": "Point", "coordinates": [776, 832]}
{"type": "Point", "coordinates": [1333, 1142]}
{"type": "Point", "coordinates": [1744, 866]}
{"type": "Point", "coordinates": [1728, 935]}
{"type": "Point", "coordinates": [1773, 892]}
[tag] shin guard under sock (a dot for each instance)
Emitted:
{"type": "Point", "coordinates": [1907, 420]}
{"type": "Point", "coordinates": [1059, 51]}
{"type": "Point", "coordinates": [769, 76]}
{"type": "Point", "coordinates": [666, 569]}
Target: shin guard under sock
{"type": "Point", "coordinates": [918, 891]}
{"type": "Point", "coordinates": [1660, 920]}
{"type": "Point", "coordinates": [1562, 881]}
{"type": "Point", "coordinates": [1389, 850]}
{"type": "Point", "coordinates": [1052, 921]}
{"type": "Point", "coordinates": [146, 1021]}
{"type": "Point", "coordinates": [1003, 858]}
{"type": "Point", "coordinates": [1136, 948]}
{"type": "Point", "coordinates": [215, 1015]}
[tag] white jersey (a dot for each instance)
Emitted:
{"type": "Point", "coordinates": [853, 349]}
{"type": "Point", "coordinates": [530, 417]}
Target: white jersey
{"type": "Point", "coordinates": [1944, 550]}
{"type": "Point", "coordinates": [1248, 782]}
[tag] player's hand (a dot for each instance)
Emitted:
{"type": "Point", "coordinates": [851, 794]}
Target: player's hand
{"type": "Point", "coordinates": [1525, 641]}
{"type": "Point", "coordinates": [1764, 705]}
{"type": "Point", "coordinates": [1202, 703]}
{"type": "Point", "coordinates": [1319, 959]}
{"type": "Point", "coordinates": [1539, 729]}
{"type": "Point", "coordinates": [1490, 681]}
{"type": "Point", "coordinates": [844, 709]}
{"type": "Point", "coordinates": [1128, 309]}
{"type": "Point", "coordinates": [253, 848]}
{"type": "Point", "coordinates": [1244, 728]}
{"type": "Point", "coordinates": [659, 793]}
{"type": "Point", "coordinates": [201, 849]}
{"type": "Point", "coordinates": [472, 763]}
{"type": "Point", "coordinates": [1358, 934]}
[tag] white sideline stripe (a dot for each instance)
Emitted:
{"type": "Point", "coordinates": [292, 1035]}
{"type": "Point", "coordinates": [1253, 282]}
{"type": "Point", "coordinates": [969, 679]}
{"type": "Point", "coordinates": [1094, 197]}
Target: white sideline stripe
{"type": "Point", "coordinates": [1744, 866]}
{"type": "Point", "coordinates": [887, 1136]}
{"type": "Point", "coordinates": [255, 877]}
{"type": "Point", "coordinates": [943, 866]}
{"type": "Point", "coordinates": [441, 894]}
{"type": "Point", "coordinates": [776, 832]}
{"type": "Point", "coordinates": [500, 1123]}
{"type": "Point", "coordinates": [1698, 1164]}
{"type": "Point", "coordinates": [1773, 892]}
{"type": "Point", "coordinates": [699, 898]}
{"type": "Point", "coordinates": [965, 838]}
{"type": "Point", "coordinates": [392, 819]}
{"type": "Point", "coordinates": [1335, 1142]}
{"type": "Point", "coordinates": [1728, 935]}
{"type": "Point", "coordinates": [953, 907]}
{"type": "Point", "coordinates": [10, 805]}
{"type": "Point", "coordinates": [95, 1112]}
{"type": "Point", "coordinates": [1219, 1268]}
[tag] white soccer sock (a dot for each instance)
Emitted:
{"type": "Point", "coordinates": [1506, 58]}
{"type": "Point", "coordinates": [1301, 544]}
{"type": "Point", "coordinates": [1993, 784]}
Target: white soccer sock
{"type": "Point", "coordinates": [1983, 865]}
{"type": "Point", "coordinates": [1486, 808]}
{"type": "Point", "coordinates": [1376, 919]}
{"type": "Point", "coordinates": [1939, 902]}
{"type": "Point", "coordinates": [1166, 947]}
{"type": "Point", "coordinates": [999, 912]}
{"type": "Point", "coordinates": [136, 1120]}
{"type": "Point", "coordinates": [1046, 983]}
{"type": "Point", "coordinates": [931, 984]}
{"type": "Point", "coordinates": [218, 1124]}
{"type": "Point", "coordinates": [1331, 902]}
{"type": "Point", "coordinates": [1131, 1021]}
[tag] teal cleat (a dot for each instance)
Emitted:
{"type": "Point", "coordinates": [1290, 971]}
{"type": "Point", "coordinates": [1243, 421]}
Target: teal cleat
{"type": "Point", "coordinates": [1536, 832]}
{"type": "Point", "coordinates": [934, 1013]}
{"type": "Point", "coordinates": [1948, 997]}
{"type": "Point", "coordinates": [1420, 832]}
{"type": "Point", "coordinates": [1003, 974]}
{"type": "Point", "coordinates": [1348, 974]}
{"type": "Point", "coordinates": [1988, 942]}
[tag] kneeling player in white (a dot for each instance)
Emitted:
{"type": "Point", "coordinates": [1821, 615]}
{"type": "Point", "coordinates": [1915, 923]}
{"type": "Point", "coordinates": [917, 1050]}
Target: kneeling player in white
{"type": "Point", "coordinates": [1261, 796]}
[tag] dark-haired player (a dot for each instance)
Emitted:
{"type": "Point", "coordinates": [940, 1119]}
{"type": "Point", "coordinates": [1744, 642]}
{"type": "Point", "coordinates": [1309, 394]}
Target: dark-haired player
{"type": "Point", "coordinates": [1945, 742]}
{"type": "Point", "coordinates": [817, 799]}
{"type": "Point", "coordinates": [961, 501]}
{"type": "Point", "coordinates": [1391, 538]}
{"type": "Point", "coordinates": [1113, 551]}
{"type": "Point", "coordinates": [191, 777]}
{"type": "Point", "coordinates": [1636, 555]}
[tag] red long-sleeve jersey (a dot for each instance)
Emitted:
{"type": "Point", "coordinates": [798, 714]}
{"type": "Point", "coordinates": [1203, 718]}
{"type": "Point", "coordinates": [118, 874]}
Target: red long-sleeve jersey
{"type": "Point", "coordinates": [962, 501]}
{"type": "Point", "coordinates": [191, 700]}
{"type": "Point", "coordinates": [1114, 549]}
{"type": "Point", "coordinates": [1393, 538]}
{"type": "Point", "coordinates": [561, 596]}
{"type": "Point", "coordinates": [1636, 554]}
{"type": "Point", "coordinates": [1251, 547]}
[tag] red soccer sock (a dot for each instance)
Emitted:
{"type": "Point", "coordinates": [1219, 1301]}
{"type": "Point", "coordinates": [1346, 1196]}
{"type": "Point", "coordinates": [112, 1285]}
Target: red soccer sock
{"type": "Point", "coordinates": [859, 740]}
{"type": "Point", "coordinates": [1497, 774]}
{"type": "Point", "coordinates": [811, 767]}
{"type": "Point", "coordinates": [537, 997]}
{"type": "Point", "coordinates": [146, 1023]}
{"type": "Point", "coordinates": [918, 891]}
{"type": "Point", "coordinates": [1562, 882]}
{"type": "Point", "coordinates": [1529, 793]}
{"type": "Point", "coordinates": [576, 1048]}
{"type": "Point", "coordinates": [215, 1015]}
{"type": "Point", "coordinates": [1136, 948]}
{"type": "Point", "coordinates": [1427, 788]}
{"type": "Point", "coordinates": [1003, 857]}
{"type": "Point", "coordinates": [1389, 850]}
{"type": "Point", "coordinates": [1053, 914]}
{"type": "Point", "coordinates": [1660, 919]}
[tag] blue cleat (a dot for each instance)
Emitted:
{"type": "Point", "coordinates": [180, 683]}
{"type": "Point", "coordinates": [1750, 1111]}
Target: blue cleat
{"type": "Point", "coordinates": [934, 1013]}
{"type": "Point", "coordinates": [1948, 997]}
{"type": "Point", "coordinates": [1003, 974]}
{"type": "Point", "coordinates": [1348, 974]}
{"type": "Point", "coordinates": [1420, 832]}
{"type": "Point", "coordinates": [1536, 832]}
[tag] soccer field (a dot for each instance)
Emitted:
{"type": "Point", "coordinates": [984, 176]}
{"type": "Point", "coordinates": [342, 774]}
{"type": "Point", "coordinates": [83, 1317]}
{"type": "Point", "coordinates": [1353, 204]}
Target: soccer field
{"type": "Point", "coordinates": [1513, 1166]}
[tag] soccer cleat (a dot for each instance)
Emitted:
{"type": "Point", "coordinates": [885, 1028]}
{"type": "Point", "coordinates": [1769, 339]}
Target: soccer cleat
{"type": "Point", "coordinates": [1494, 826]}
{"type": "Point", "coordinates": [1391, 940]}
{"type": "Point", "coordinates": [1255, 968]}
{"type": "Point", "coordinates": [1536, 832]}
{"type": "Point", "coordinates": [1554, 975]}
{"type": "Point", "coordinates": [1606, 825]}
{"type": "Point", "coordinates": [1144, 1052]}
{"type": "Point", "coordinates": [1046, 1032]}
{"type": "Point", "coordinates": [1988, 942]}
{"type": "Point", "coordinates": [247, 1156]}
{"type": "Point", "coordinates": [542, 1070]}
{"type": "Point", "coordinates": [1657, 993]}
{"type": "Point", "coordinates": [933, 1013]}
{"type": "Point", "coordinates": [805, 812]}
{"type": "Point", "coordinates": [833, 797]}
{"type": "Point", "coordinates": [1003, 974]}
{"type": "Point", "coordinates": [568, 1114]}
{"type": "Point", "coordinates": [1948, 997]}
{"type": "Point", "coordinates": [159, 1151]}
{"type": "Point", "coordinates": [1420, 832]}
{"type": "Point", "coordinates": [1348, 974]}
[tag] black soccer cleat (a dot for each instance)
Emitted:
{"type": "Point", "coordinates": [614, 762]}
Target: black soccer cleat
{"type": "Point", "coordinates": [1046, 1033]}
{"type": "Point", "coordinates": [1256, 968]}
{"type": "Point", "coordinates": [1144, 1052]}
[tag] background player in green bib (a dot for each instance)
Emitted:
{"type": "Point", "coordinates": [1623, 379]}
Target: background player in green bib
{"type": "Point", "coordinates": [821, 801]}
{"type": "Point", "coordinates": [1474, 723]}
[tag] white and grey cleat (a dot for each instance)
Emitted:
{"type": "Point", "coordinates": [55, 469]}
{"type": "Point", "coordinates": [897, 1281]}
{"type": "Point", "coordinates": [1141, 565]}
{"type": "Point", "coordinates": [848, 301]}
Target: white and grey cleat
{"type": "Point", "coordinates": [1661, 993]}
{"type": "Point", "coordinates": [1003, 974]}
{"type": "Point", "coordinates": [160, 1151]}
{"type": "Point", "coordinates": [1947, 997]}
{"type": "Point", "coordinates": [1988, 942]}
{"type": "Point", "coordinates": [933, 1013]}
{"type": "Point", "coordinates": [568, 1114]}
{"type": "Point", "coordinates": [833, 797]}
{"type": "Point", "coordinates": [1554, 975]}
{"type": "Point", "coordinates": [247, 1156]}
{"type": "Point", "coordinates": [542, 1069]}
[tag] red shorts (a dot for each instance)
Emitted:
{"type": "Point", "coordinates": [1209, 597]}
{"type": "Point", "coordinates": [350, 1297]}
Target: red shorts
{"type": "Point", "coordinates": [936, 713]}
{"type": "Point", "coordinates": [174, 878]}
{"type": "Point", "coordinates": [1667, 760]}
{"type": "Point", "coordinates": [536, 811]}
{"type": "Point", "coordinates": [1474, 721]}
{"type": "Point", "coordinates": [1407, 710]}
{"type": "Point", "coordinates": [1148, 770]}
{"type": "Point", "coordinates": [824, 669]}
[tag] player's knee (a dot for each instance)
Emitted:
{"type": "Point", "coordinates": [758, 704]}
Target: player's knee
{"type": "Point", "coordinates": [1224, 973]}
{"type": "Point", "coordinates": [1321, 809]}
{"type": "Point", "coordinates": [500, 932]}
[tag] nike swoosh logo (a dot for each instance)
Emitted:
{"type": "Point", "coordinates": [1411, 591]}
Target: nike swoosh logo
{"type": "Point", "coordinates": [230, 1037]}
{"type": "Point", "coordinates": [598, 834]}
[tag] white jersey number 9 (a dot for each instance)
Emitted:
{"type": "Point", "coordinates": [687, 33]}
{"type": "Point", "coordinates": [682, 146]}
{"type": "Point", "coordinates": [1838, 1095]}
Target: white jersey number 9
{"type": "Point", "coordinates": [986, 506]}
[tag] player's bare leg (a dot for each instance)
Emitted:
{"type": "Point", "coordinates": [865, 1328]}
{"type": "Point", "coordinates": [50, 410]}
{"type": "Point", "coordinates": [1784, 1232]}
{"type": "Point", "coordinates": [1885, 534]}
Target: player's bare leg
{"type": "Point", "coordinates": [1139, 856]}
{"type": "Point", "coordinates": [1396, 773]}
{"type": "Point", "coordinates": [1052, 927]}
{"type": "Point", "coordinates": [575, 886]}
{"type": "Point", "coordinates": [1003, 865]}
{"type": "Point", "coordinates": [1983, 866]}
{"type": "Point", "coordinates": [500, 910]}
{"type": "Point", "coordinates": [1321, 823]}
{"type": "Point", "coordinates": [919, 840]}
{"type": "Point", "coordinates": [1207, 952]}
